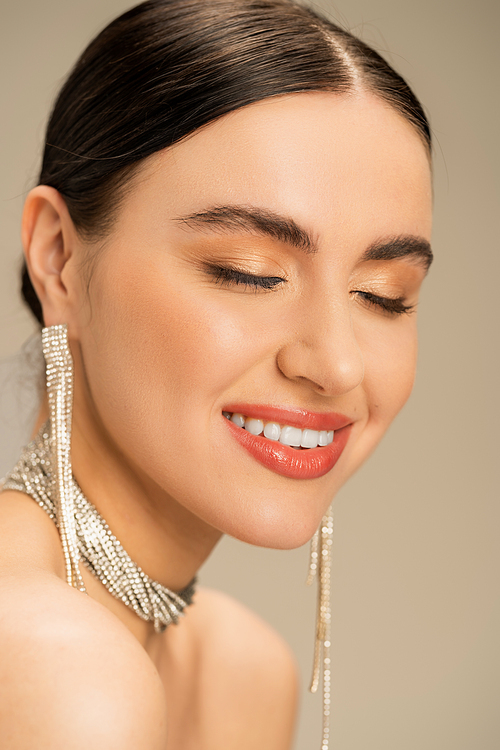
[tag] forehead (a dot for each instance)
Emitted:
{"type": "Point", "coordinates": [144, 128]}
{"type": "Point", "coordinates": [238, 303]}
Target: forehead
{"type": "Point", "coordinates": [338, 165]}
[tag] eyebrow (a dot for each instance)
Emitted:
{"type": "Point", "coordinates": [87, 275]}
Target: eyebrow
{"type": "Point", "coordinates": [404, 246]}
{"type": "Point", "coordinates": [254, 220]}
{"type": "Point", "coordinates": [262, 221]}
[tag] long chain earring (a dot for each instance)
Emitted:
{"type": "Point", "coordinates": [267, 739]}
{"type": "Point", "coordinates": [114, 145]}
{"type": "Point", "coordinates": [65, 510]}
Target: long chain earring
{"type": "Point", "coordinates": [320, 568]}
{"type": "Point", "coordinates": [60, 392]}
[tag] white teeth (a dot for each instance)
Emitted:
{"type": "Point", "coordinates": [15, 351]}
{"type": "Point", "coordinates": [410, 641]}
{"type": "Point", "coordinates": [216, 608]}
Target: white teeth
{"type": "Point", "coordinates": [272, 430]}
{"type": "Point", "coordinates": [286, 435]}
{"type": "Point", "coordinates": [291, 436]}
{"type": "Point", "coordinates": [238, 420]}
{"type": "Point", "coordinates": [255, 426]}
{"type": "Point", "coordinates": [325, 438]}
{"type": "Point", "coordinates": [309, 438]}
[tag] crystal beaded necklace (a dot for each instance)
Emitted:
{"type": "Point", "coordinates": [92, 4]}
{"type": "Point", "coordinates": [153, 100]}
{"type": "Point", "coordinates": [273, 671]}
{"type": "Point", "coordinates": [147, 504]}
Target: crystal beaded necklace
{"type": "Point", "coordinates": [99, 549]}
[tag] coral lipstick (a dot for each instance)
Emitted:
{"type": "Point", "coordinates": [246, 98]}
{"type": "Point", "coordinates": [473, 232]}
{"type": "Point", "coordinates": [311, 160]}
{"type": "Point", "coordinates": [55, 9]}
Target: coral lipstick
{"type": "Point", "coordinates": [301, 418]}
{"type": "Point", "coordinates": [309, 463]}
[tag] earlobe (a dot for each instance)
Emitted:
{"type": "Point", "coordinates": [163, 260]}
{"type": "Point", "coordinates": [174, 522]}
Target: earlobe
{"type": "Point", "coordinates": [48, 238]}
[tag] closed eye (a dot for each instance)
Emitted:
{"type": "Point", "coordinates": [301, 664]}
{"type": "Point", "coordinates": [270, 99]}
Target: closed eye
{"type": "Point", "coordinates": [390, 305]}
{"type": "Point", "coordinates": [228, 276]}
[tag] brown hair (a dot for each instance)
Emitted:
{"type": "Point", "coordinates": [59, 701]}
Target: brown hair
{"type": "Point", "coordinates": [167, 67]}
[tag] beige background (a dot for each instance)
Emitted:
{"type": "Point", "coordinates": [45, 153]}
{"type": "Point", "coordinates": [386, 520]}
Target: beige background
{"type": "Point", "coordinates": [415, 580]}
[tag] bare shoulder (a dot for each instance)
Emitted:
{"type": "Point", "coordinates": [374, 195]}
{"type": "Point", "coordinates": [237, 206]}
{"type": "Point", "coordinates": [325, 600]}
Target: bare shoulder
{"type": "Point", "coordinates": [258, 680]}
{"type": "Point", "coordinates": [71, 676]}
{"type": "Point", "coordinates": [244, 636]}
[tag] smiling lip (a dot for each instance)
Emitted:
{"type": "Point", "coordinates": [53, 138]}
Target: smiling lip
{"type": "Point", "coordinates": [289, 462]}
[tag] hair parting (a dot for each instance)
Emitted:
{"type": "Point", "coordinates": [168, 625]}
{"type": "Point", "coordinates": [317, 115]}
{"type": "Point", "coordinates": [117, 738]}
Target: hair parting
{"type": "Point", "coordinates": [166, 68]}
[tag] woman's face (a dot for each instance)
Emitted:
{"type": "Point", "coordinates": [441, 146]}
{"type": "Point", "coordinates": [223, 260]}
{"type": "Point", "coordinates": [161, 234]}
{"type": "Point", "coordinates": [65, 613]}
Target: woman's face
{"type": "Point", "coordinates": [267, 266]}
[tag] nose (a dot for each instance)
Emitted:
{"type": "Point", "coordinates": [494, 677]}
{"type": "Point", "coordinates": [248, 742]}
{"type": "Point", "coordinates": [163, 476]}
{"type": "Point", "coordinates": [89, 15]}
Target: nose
{"type": "Point", "coordinates": [323, 352]}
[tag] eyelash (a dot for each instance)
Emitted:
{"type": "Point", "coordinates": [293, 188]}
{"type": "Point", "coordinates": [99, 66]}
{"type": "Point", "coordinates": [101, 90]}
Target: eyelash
{"type": "Point", "coordinates": [227, 275]}
{"type": "Point", "coordinates": [387, 304]}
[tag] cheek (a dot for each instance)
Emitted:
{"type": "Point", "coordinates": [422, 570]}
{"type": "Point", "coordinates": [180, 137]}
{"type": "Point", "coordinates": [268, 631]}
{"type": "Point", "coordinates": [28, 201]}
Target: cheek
{"type": "Point", "coordinates": [166, 348]}
{"type": "Point", "coordinates": [390, 364]}
{"type": "Point", "coordinates": [389, 355]}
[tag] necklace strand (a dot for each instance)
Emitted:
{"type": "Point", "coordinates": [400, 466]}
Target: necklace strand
{"type": "Point", "coordinates": [99, 549]}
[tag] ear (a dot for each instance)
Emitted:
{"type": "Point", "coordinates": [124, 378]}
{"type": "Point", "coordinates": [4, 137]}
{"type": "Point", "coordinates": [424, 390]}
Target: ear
{"type": "Point", "coordinates": [49, 238]}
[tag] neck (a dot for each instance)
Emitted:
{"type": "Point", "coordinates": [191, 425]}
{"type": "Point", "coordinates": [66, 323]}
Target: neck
{"type": "Point", "coordinates": [168, 542]}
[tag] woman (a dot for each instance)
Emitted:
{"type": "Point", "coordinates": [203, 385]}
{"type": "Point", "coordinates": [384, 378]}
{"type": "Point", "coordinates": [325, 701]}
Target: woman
{"type": "Point", "coordinates": [225, 249]}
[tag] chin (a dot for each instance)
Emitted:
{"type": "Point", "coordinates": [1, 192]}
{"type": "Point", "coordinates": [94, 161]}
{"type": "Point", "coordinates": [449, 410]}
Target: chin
{"type": "Point", "coordinates": [275, 527]}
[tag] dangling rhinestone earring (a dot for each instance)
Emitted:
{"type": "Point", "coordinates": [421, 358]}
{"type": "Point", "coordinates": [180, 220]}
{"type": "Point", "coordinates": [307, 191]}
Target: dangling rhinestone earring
{"type": "Point", "coordinates": [60, 392]}
{"type": "Point", "coordinates": [44, 473]}
{"type": "Point", "coordinates": [320, 567]}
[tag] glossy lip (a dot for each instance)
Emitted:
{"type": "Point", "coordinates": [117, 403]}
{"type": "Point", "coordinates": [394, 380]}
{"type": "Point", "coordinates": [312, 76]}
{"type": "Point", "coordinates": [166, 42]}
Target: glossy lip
{"type": "Point", "coordinates": [301, 418]}
{"type": "Point", "coordinates": [289, 462]}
